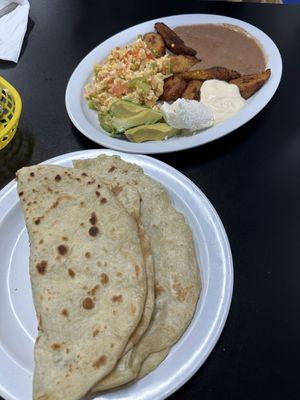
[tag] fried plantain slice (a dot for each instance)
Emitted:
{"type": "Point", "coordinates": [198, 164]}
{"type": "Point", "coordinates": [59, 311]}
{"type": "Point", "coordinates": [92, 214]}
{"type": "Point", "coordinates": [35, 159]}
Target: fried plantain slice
{"type": "Point", "coordinates": [221, 73]}
{"type": "Point", "coordinates": [249, 84]}
{"type": "Point", "coordinates": [155, 43]}
{"type": "Point", "coordinates": [181, 63]}
{"type": "Point", "coordinates": [173, 41]}
{"type": "Point", "coordinates": [192, 91]}
{"type": "Point", "coordinates": [173, 88]}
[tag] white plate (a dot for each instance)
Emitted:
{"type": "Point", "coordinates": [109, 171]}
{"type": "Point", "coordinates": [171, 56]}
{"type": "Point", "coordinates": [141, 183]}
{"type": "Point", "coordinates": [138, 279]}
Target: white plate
{"type": "Point", "coordinates": [18, 325]}
{"type": "Point", "coordinates": [87, 122]}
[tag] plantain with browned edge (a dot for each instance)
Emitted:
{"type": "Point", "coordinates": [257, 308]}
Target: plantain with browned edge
{"type": "Point", "coordinates": [250, 84]}
{"type": "Point", "coordinates": [173, 88]}
{"type": "Point", "coordinates": [221, 73]}
{"type": "Point", "coordinates": [155, 43]}
{"type": "Point", "coordinates": [181, 63]}
{"type": "Point", "coordinates": [192, 91]}
{"type": "Point", "coordinates": [172, 41]}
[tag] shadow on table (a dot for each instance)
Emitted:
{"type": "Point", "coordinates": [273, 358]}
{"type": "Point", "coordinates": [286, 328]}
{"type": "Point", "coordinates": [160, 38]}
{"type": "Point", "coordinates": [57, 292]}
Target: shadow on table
{"type": "Point", "coordinates": [11, 64]}
{"type": "Point", "coordinates": [15, 155]}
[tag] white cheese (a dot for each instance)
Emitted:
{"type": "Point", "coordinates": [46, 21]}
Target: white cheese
{"type": "Point", "coordinates": [187, 114]}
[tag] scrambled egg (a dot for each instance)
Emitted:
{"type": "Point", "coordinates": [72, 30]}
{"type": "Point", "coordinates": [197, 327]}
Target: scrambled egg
{"type": "Point", "coordinates": [131, 73]}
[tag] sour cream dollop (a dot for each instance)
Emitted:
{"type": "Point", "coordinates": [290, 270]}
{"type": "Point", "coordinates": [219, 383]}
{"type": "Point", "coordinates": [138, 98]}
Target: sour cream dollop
{"type": "Point", "coordinates": [187, 114]}
{"type": "Point", "coordinates": [222, 98]}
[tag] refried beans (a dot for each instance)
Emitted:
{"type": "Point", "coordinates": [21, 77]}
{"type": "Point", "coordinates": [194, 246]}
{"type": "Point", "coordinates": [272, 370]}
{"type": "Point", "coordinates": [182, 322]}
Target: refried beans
{"type": "Point", "coordinates": [224, 45]}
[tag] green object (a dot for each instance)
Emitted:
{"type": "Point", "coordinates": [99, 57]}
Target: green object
{"type": "Point", "coordinates": [140, 84]}
{"type": "Point", "coordinates": [91, 105]}
{"type": "Point", "coordinates": [158, 131]}
{"type": "Point", "coordinates": [124, 114]}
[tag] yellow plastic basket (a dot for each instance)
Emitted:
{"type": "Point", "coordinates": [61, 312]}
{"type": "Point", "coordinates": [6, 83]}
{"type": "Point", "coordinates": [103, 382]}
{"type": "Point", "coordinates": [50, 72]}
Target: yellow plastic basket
{"type": "Point", "coordinates": [10, 111]}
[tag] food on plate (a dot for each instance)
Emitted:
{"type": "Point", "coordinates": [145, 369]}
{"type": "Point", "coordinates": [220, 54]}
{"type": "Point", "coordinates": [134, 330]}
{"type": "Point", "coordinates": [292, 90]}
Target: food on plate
{"type": "Point", "coordinates": [159, 131]}
{"type": "Point", "coordinates": [152, 361]}
{"type": "Point", "coordinates": [155, 43]}
{"type": "Point", "coordinates": [221, 73]}
{"type": "Point", "coordinates": [87, 274]}
{"type": "Point", "coordinates": [124, 114]}
{"type": "Point", "coordinates": [250, 84]}
{"type": "Point", "coordinates": [177, 281]}
{"type": "Point", "coordinates": [173, 42]}
{"type": "Point", "coordinates": [129, 86]}
{"type": "Point", "coordinates": [173, 88]}
{"type": "Point", "coordinates": [131, 73]}
{"type": "Point", "coordinates": [188, 114]}
{"type": "Point", "coordinates": [224, 45]}
{"type": "Point", "coordinates": [182, 63]}
{"type": "Point", "coordinates": [192, 90]}
{"type": "Point", "coordinates": [222, 98]}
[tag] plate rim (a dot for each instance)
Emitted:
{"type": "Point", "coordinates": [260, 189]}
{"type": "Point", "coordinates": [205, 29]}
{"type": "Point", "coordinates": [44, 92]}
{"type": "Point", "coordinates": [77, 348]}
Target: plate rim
{"type": "Point", "coordinates": [229, 126]}
{"type": "Point", "coordinates": [228, 277]}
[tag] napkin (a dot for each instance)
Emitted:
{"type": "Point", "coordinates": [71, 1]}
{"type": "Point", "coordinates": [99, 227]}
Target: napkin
{"type": "Point", "coordinates": [12, 29]}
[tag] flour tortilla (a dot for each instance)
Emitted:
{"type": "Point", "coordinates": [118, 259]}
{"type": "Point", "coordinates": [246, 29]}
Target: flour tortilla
{"type": "Point", "coordinates": [87, 276]}
{"type": "Point", "coordinates": [152, 362]}
{"type": "Point", "coordinates": [177, 280]}
{"type": "Point", "coordinates": [131, 200]}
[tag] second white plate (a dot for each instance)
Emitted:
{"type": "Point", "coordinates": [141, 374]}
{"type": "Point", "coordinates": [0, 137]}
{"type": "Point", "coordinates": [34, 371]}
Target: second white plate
{"type": "Point", "coordinates": [86, 120]}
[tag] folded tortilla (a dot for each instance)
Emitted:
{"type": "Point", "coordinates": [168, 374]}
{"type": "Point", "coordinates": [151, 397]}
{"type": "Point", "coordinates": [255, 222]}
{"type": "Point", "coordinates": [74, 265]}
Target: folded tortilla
{"type": "Point", "coordinates": [177, 280]}
{"type": "Point", "coordinates": [87, 275]}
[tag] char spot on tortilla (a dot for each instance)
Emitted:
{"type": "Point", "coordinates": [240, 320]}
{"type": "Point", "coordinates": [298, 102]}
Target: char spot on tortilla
{"type": "Point", "coordinates": [31, 173]}
{"type": "Point", "coordinates": [67, 351]}
{"type": "Point", "coordinates": [81, 224]}
{"type": "Point", "coordinates": [88, 303]}
{"type": "Point", "coordinates": [132, 309]}
{"type": "Point", "coordinates": [93, 291]}
{"type": "Point", "coordinates": [65, 312]}
{"type": "Point", "coordinates": [71, 273]}
{"type": "Point", "coordinates": [98, 194]}
{"type": "Point", "coordinates": [119, 274]}
{"type": "Point", "coordinates": [104, 278]}
{"type": "Point", "coordinates": [103, 200]}
{"type": "Point", "coordinates": [78, 179]}
{"type": "Point", "coordinates": [49, 189]}
{"type": "Point", "coordinates": [21, 194]}
{"type": "Point", "coordinates": [158, 289]}
{"type": "Point", "coordinates": [83, 174]}
{"type": "Point", "coordinates": [65, 238]}
{"type": "Point", "coordinates": [82, 203]}
{"type": "Point", "coordinates": [116, 190]}
{"type": "Point", "coordinates": [41, 241]}
{"type": "Point", "coordinates": [112, 168]}
{"type": "Point", "coordinates": [88, 254]}
{"type": "Point", "coordinates": [91, 182]}
{"type": "Point", "coordinates": [115, 312]}
{"type": "Point", "coordinates": [137, 271]}
{"type": "Point", "coordinates": [93, 231]}
{"type": "Point", "coordinates": [62, 249]}
{"type": "Point", "coordinates": [95, 332]}
{"type": "Point", "coordinates": [41, 267]}
{"type": "Point", "coordinates": [37, 221]}
{"type": "Point", "coordinates": [93, 219]}
{"type": "Point", "coordinates": [55, 346]}
{"type": "Point", "coordinates": [181, 292]}
{"type": "Point", "coordinates": [117, 299]}
{"type": "Point", "coordinates": [57, 178]}
{"type": "Point", "coordinates": [99, 186]}
{"type": "Point", "coordinates": [99, 362]}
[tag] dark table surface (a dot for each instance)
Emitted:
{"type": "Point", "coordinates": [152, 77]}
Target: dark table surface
{"type": "Point", "coordinates": [251, 177]}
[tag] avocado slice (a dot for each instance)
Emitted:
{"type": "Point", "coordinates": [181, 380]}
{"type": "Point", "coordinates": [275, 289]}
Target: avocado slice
{"type": "Point", "coordinates": [126, 114]}
{"type": "Point", "coordinates": [158, 131]}
{"type": "Point", "coordinates": [105, 122]}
